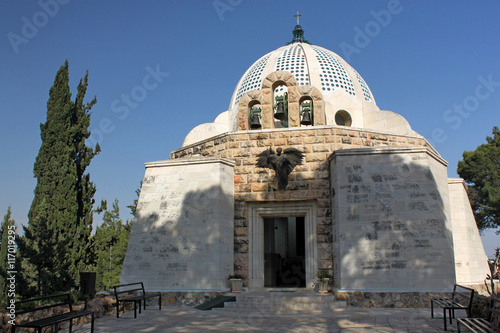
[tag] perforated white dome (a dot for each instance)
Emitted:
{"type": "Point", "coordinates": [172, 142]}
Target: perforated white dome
{"type": "Point", "coordinates": [346, 98]}
{"type": "Point", "coordinates": [311, 65]}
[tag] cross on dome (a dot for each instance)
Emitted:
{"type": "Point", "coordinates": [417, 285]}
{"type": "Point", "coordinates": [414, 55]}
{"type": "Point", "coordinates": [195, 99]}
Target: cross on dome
{"type": "Point", "coordinates": [298, 32]}
{"type": "Point", "coordinates": [297, 16]}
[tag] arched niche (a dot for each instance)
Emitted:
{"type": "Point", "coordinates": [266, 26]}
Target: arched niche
{"type": "Point", "coordinates": [254, 114]}
{"type": "Point", "coordinates": [306, 109]}
{"type": "Point", "coordinates": [280, 106]}
{"type": "Point", "coordinates": [315, 94]}
{"type": "Point", "coordinates": [268, 85]}
{"type": "Point", "coordinates": [246, 101]}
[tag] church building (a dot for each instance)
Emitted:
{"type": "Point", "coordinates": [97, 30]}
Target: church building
{"type": "Point", "coordinates": [370, 201]}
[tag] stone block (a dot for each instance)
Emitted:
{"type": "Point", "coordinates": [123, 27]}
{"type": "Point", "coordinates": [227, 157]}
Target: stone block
{"type": "Point", "coordinates": [321, 148]}
{"type": "Point", "coordinates": [295, 141]}
{"type": "Point", "coordinates": [281, 142]}
{"type": "Point", "coordinates": [241, 231]}
{"type": "Point", "coordinates": [259, 136]}
{"type": "Point", "coordinates": [243, 187]}
{"type": "Point", "coordinates": [240, 179]}
{"type": "Point", "coordinates": [265, 143]}
{"type": "Point", "coordinates": [259, 187]}
{"type": "Point", "coordinates": [316, 157]}
{"type": "Point", "coordinates": [324, 132]}
{"type": "Point", "coordinates": [309, 140]}
{"type": "Point", "coordinates": [332, 139]}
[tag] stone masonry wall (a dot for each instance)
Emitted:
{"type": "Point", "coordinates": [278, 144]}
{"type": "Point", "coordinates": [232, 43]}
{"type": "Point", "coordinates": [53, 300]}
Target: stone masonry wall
{"type": "Point", "coordinates": [308, 181]}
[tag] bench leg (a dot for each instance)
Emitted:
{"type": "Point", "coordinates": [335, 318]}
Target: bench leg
{"type": "Point", "coordinates": [159, 302]}
{"type": "Point", "coordinates": [144, 304]}
{"type": "Point", "coordinates": [458, 327]}
{"type": "Point", "coordinates": [70, 325]}
{"type": "Point", "coordinates": [140, 307]}
{"type": "Point", "coordinates": [444, 316]}
{"type": "Point", "coordinates": [135, 309]}
{"type": "Point", "coordinates": [432, 309]}
{"type": "Point", "coordinates": [117, 309]}
{"type": "Point", "coordinates": [92, 323]}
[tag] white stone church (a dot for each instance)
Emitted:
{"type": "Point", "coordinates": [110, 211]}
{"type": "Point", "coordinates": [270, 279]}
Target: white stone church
{"type": "Point", "coordinates": [371, 203]}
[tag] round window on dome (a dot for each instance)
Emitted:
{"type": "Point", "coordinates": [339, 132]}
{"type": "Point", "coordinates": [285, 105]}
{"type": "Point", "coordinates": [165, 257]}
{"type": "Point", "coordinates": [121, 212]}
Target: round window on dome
{"type": "Point", "coordinates": [343, 118]}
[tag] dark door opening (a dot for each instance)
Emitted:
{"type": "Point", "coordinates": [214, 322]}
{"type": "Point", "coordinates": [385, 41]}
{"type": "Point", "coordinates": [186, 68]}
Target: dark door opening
{"type": "Point", "coordinates": [284, 252]}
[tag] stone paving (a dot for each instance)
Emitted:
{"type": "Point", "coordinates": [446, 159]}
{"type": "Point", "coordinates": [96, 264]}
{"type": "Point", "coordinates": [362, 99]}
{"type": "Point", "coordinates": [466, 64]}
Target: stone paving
{"type": "Point", "coordinates": [348, 320]}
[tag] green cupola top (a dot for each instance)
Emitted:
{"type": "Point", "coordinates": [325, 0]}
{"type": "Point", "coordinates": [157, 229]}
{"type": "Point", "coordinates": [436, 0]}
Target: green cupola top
{"type": "Point", "coordinates": [298, 32]}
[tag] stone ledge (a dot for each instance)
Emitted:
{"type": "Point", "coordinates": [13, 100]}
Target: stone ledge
{"type": "Point", "coordinates": [190, 160]}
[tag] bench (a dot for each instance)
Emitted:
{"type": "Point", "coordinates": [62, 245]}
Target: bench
{"type": "Point", "coordinates": [481, 325]}
{"type": "Point", "coordinates": [55, 319]}
{"type": "Point", "coordinates": [133, 292]}
{"type": "Point", "coordinates": [461, 299]}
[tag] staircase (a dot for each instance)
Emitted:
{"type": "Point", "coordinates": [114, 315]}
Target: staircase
{"type": "Point", "coordinates": [282, 303]}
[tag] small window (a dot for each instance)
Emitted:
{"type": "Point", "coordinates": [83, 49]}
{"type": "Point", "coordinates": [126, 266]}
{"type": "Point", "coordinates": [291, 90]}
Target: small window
{"type": "Point", "coordinates": [343, 118]}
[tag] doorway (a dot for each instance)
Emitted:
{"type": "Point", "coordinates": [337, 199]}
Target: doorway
{"type": "Point", "coordinates": [260, 211]}
{"type": "Point", "coordinates": [284, 252]}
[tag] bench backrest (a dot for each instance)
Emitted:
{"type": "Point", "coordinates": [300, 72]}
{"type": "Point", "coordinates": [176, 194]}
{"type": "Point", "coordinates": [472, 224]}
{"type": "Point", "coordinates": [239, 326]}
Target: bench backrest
{"type": "Point", "coordinates": [463, 295]}
{"type": "Point", "coordinates": [66, 300]}
{"type": "Point", "coordinates": [129, 289]}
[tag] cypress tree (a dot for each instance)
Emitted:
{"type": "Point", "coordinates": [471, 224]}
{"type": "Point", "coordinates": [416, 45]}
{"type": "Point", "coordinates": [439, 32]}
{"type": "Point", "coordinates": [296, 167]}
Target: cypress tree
{"type": "Point", "coordinates": [7, 227]}
{"type": "Point", "coordinates": [85, 189]}
{"type": "Point", "coordinates": [111, 240]}
{"type": "Point", "coordinates": [57, 238]}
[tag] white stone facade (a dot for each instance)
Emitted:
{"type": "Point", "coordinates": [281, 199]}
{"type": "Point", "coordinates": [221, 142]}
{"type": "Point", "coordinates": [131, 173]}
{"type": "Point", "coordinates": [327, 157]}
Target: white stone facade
{"type": "Point", "coordinates": [182, 237]}
{"type": "Point", "coordinates": [470, 258]}
{"type": "Point", "coordinates": [371, 204]}
{"type": "Point", "coordinates": [392, 220]}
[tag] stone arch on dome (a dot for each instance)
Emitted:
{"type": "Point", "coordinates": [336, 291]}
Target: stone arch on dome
{"type": "Point", "coordinates": [265, 97]}
{"type": "Point", "coordinates": [268, 85]}
{"type": "Point", "coordinates": [316, 96]}
{"type": "Point", "coordinates": [248, 100]}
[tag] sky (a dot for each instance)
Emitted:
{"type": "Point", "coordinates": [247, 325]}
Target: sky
{"type": "Point", "coordinates": [160, 68]}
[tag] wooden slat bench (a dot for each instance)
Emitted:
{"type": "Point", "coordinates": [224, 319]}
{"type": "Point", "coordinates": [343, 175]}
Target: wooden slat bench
{"type": "Point", "coordinates": [461, 299]}
{"type": "Point", "coordinates": [39, 324]}
{"type": "Point", "coordinates": [133, 292]}
{"type": "Point", "coordinates": [481, 325]}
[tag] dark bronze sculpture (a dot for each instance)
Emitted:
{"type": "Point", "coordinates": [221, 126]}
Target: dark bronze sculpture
{"type": "Point", "coordinates": [281, 163]}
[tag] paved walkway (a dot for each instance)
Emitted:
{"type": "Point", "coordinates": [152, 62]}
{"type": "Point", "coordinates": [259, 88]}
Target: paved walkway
{"type": "Point", "coordinates": [350, 319]}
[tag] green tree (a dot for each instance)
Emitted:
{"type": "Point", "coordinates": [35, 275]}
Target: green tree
{"type": "Point", "coordinates": [133, 206]}
{"type": "Point", "coordinates": [55, 247]}
{"type": "Point", "coordinates": [7, 229]}
{"type": "Point", "coordinates": [481, 171]}
{"type": "Point", "coordinates": [110, 242]}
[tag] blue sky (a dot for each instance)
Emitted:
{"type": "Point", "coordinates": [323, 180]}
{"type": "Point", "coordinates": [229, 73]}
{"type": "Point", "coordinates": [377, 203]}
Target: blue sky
{"type": "Point", "coordinates": [434, 62]}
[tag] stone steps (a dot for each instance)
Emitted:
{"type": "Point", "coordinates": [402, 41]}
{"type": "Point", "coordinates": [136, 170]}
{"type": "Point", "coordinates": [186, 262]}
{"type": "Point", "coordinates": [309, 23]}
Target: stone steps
{"type": "Point", "coordinates": [283, 303]}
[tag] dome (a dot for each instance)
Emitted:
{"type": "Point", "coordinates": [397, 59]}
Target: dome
{"type": "Point", "coordinates": [303, 75]}
{"type": "Point", "coordinates": [311, 65]}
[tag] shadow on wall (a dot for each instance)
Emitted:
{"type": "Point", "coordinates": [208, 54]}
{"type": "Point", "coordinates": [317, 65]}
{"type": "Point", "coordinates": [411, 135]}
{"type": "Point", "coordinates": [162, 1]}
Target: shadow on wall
{"type": "Point", "coordinates": [181, 240]}
{"type": "Point", "coordinates": [391, 222]}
